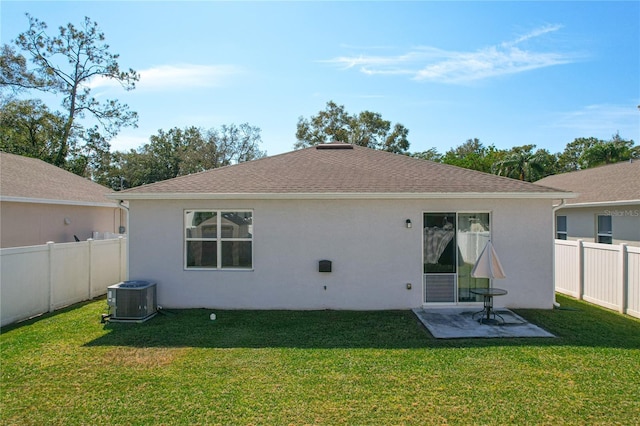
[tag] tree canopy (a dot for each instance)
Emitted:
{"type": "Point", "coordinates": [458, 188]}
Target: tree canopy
{"type": "Point", "coordinates": [608, 152]}
{"type": "Point", "coordinates": [367, 128]}
{"type": "Point", "coordinates": [179, 152]}
{"type": "Point", "coordinates": [29, 128]}
{"type": "Point", "coordinates": [523, 163]}
{"type": "Point", "coordinates": [589, 152]}
{"type": "Point", "coordinates": [526, 163]}
{"type": "Point", "coordinates": [66, 64]}
{"type": "Point", "coordinates": [472, 154]}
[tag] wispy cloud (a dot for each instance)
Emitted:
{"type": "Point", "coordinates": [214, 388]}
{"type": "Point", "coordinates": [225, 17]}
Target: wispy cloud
{"type": "Point", "coordinates": [465, 67]}
{"type": "Point", "coordinates": [459, 67]}
{"type": "Point", "coordinates": [601, 120]}
{"type": "Point", "coordinates": [533, 34]}
{"type": "Point", "coordinates": [181, 76]}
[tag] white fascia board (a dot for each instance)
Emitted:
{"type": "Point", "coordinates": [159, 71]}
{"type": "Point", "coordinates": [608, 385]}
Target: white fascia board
{"type": "Point", "coordinates": [602, 204]}
{"type": "Point", "coordinates": [339, 195]}
{"type": "Point", "coordinates": [57, 202]}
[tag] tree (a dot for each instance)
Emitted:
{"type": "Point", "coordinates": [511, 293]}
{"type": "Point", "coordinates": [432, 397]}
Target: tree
{"type": "Point", "coordinates": [66, 64]}
{"type": "Point", "coordinates": [93, 160]}
{"type": "Point", "coordinates": [548, 163]}
{"type": "Point", "coordinates": [364, 129]}
{"type": "Point", "coordinates": [431, 154]}
{"type": "Point", "coordinates": [584, 153]}
{"type": "Point", "coordinates": [179, 152]}
{"type": "Point", "coordinates": [570, 159]}
{"type": "Point", "coordinates": [13, 71]}
{"type": "Point", "coordinates": [28, 128]}
{"type": "Point", "coordinates": [613, 151]}
{"type": "Point", "coordinates": [162, 158]}
{"type": "Point", "coordinates": [236, 144]}
{"type": "Point", "coordinates": [523, 164]}
{"type": "Point", "coordinates": [472, 154]}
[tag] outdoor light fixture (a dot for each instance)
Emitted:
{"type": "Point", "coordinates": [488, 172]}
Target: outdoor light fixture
{"type": "Point", "coordinates": [408, 223]}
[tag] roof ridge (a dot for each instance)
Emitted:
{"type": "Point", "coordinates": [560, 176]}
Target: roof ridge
{"type": "Point", "coordinates": [598, 167]}
{"type": "Point", "coordinates": [450, 166]}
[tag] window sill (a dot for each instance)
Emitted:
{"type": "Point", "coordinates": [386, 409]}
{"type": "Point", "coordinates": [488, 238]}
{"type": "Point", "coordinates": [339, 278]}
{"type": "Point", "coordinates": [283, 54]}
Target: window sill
{"type": "Point", "coordinates": [220, 269]}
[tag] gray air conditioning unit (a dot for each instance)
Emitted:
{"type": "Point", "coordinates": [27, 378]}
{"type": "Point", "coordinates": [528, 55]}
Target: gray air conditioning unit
{"type": "Point", "coordinates": [132, 301]}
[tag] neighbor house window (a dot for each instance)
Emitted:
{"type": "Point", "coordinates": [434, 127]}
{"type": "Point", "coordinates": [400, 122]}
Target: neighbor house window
{"type": "Point", "coordinates": [561, 227]}
{"type": "Point", "coordinates": [218, 239]}
{"type": "Point", "coordinates": [605, 230]}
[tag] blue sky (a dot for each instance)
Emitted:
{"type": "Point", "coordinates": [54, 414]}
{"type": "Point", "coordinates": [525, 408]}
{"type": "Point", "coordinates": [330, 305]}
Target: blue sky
{"type": "Point", "coordinates": [508, 73]}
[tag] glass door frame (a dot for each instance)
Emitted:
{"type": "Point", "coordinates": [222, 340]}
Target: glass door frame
{"type": "Point", "coordinates": [457, 259]}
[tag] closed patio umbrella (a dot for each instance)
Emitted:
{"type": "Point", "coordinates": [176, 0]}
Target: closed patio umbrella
{"type": "Point", "coordinates": [488, 265]}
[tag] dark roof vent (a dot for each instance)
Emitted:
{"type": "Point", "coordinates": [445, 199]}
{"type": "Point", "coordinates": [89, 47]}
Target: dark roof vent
{"type": "Point", "coordinates": [334, 145]}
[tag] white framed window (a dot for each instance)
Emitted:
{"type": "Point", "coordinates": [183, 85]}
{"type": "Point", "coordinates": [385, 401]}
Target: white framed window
{"type": "Point", "coordinates": [604, 230]}
{"type": "Point", "coordinates": [561, 227]}
{"type": "Point", "coordinates": [218, 239]}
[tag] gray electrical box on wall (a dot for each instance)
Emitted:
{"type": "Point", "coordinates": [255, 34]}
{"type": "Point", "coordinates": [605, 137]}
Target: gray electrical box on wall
{"type": "Point", "coordinates": [324, 266]}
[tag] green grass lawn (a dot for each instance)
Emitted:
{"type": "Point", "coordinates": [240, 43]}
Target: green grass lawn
{"type": "Point", "coordinates": [319, 367]}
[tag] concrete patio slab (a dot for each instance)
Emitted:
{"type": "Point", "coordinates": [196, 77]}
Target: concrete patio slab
{"type": "Point", "coordinates": [457, 323]}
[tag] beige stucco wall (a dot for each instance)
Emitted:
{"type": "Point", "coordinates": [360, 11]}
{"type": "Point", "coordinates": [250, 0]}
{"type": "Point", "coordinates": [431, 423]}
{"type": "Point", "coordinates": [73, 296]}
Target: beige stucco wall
{"type": "Point", "coordinates": [374, 255]}
{"type": "Point", "coordinates": [27, 224]}
{"type": "Point", "coordinates": [625, 222]}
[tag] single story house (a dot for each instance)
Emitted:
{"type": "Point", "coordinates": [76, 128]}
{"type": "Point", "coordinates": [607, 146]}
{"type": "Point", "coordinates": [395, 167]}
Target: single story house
{"type": "Point", "coordinates": [40, 202]}
{"type": "Point", "coordinates": [607, 209]}
{"type": "Point", "coordinates": [339, 226]}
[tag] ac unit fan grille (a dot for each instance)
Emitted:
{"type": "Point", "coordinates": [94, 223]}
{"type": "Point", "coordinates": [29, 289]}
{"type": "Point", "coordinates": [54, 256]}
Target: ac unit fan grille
{"type": "Point", "coordinates": [132, 302]}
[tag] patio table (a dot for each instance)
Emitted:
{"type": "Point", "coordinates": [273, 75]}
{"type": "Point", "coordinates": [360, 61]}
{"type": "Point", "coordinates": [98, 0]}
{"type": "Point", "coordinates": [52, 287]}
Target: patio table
{"type": "Point", "coordinates": [487, 311]}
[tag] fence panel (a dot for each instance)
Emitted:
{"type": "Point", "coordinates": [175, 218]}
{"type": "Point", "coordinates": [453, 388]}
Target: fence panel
{"type": "Point", "coordinates": [567, 271]}
{"type": "Point", "coordinates": [24, 278]}
{"type": "Point", "coordinates": [603, 274]}
{"type": "Point", "coordinates": [106, 261]}
{"type": "Point", "coordinates": [601, 268]}
{"type": "Point", "coordinates": [39, 279]}
{"type": "Point", "coordinates": [70, 273]}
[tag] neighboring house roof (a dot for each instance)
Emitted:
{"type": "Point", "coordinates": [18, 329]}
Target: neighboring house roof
{"type": "Point", "coordinates": [610, 184]}
{"type": "Point", "coordinates": [337, 170]}
{"type": "Point", "coordinates": [24, 179]}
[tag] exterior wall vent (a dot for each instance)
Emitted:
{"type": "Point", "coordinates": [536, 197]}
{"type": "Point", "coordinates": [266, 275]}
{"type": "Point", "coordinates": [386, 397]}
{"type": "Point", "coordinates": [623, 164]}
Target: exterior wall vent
{"type": "Point", "coordinates": [440, 288]}
{"type": "Point", "coordinates": [334, 145]}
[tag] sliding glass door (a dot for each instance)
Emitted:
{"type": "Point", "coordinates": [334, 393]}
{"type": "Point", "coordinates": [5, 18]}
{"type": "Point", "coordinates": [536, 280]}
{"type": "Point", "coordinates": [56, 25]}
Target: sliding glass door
{"type": "Point", "coordinates": [452, 244]}
{"type": "Point", "coordinates": [473, 234]}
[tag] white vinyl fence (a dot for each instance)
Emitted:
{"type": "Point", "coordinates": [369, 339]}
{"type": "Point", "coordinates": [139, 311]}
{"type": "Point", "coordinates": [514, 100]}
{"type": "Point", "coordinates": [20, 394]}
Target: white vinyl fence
{"type": "Point", "coordinates": [39, 279]}
{"type": "Point", "coordinates": [604, 274]}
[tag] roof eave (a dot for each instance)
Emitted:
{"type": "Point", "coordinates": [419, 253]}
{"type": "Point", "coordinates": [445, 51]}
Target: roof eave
{"type": "Point", "coordinates": [10, 199]}
{"type": "Point", "coordinates": [335, 195]}
{"type": "Point", "coordinates": [602, 204]}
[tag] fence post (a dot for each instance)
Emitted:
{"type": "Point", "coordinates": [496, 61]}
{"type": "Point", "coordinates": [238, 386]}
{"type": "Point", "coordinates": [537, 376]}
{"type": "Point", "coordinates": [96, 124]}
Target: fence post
{"type": "Point", "coordinates": [50, 245]}
{"type": "Point", "coordinates": [580, 261]}
{"type": "Point", "coordinates": [623, 278]}
{"type": "Point", "coordinates": [90, 289]}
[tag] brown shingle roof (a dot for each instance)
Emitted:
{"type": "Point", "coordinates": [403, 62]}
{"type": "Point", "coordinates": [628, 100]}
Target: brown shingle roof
{"type": "Point", "coordinates": [337, 171]}
{"type": "Point", "coordinates": [610, 183]}
{"type": "Point", "coordinates": [32, 179]}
